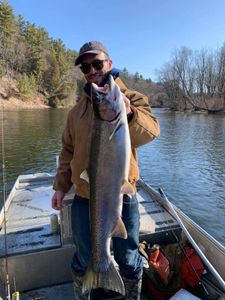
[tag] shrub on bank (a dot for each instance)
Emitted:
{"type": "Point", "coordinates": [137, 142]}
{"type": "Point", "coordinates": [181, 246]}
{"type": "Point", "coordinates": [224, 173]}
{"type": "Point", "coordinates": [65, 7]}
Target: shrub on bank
{"type": "Point", "coordinates": [27, 86]}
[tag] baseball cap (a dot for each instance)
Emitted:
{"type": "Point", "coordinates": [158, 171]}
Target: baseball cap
{"type": "Point", "coordinates": [94, 47]}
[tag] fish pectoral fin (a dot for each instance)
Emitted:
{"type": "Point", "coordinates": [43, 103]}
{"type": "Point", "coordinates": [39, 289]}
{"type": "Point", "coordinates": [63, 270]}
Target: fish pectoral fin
{"type": "Point", "coordinates": [84, 175]}
{"type": "Point", "coordinates": [110, 280]}
{"type": "Point", "coordinates": [114, 130]}
{"type": "Point", "coordinates": [120, 230]}
{"type": "Point", "coordinates": [127, 188]}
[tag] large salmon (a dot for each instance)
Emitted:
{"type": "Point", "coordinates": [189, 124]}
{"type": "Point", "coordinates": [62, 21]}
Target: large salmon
{"type": "Point", "coordinates": [108, 177]}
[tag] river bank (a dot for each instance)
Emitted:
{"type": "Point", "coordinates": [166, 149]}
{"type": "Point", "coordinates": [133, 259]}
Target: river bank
{"type": "Point", "coordinates": [10, 98]}
{"type": "Point", "coordinates": [16, 104]}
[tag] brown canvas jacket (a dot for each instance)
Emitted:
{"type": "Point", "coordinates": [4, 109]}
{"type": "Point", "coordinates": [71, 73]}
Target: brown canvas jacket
{"type": "Point", "coordinates": [76, 139]}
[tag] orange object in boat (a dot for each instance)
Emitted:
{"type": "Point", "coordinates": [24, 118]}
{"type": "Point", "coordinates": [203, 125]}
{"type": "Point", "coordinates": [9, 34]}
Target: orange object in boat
{"type": "Point", "coordinates": [160, 264]}
{"type": "Point", "coordinates": [192, 268]}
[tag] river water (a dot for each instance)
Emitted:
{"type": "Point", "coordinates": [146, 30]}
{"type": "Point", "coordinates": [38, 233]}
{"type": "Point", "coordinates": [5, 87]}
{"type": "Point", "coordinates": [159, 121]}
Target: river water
{"type": "Point", "coordinates": [187, 160]}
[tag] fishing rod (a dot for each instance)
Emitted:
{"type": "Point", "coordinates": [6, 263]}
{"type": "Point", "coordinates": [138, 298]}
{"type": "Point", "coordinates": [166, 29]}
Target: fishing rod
{"type": "Point", "coordinates": [15, 295]}
{"type": "Point", "coordinates": [179, 243]}
{"type": "Point", "coordinates": [182, 248]}
{"type": "Point", "coordinates": [192, 241]}
{"type": "Point", "coordinates": [7, 284]}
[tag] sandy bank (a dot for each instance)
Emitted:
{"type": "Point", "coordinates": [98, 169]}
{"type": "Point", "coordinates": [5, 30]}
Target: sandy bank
{"type": "Point", "coordinates": [10, 98]}
{"type": "Point", "coordinates": [17, 104]}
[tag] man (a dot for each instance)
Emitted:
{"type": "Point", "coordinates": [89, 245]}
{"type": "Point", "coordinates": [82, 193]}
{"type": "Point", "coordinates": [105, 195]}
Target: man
{"type": "Point", "coordinates": [96, 65]}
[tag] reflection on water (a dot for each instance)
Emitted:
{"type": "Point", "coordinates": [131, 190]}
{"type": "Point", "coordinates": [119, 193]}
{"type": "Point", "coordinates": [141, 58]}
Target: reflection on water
{"type": "Point", "coordinates": [187, 161]}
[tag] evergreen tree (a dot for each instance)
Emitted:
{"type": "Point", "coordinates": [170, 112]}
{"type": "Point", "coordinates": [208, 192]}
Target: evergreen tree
{"type": "Point", "coordinates": [20, 47]}
{"type": "Point", "coordinates": [36, 40]}
{"type": "Point", "coordinates": [7, 36]}
{"type": "Point", "coordinates": [59, 76]}
{"type": "Point", "coordinates": [136, 76]}
{"type": "Point", "coordinates": [52, 74]}
{"type": "Point", "coordinates": [36, 61]}
{"type": "Point", "coordinates": [125, 72]}
{"type": "Point", "coordinates": [21, 25]}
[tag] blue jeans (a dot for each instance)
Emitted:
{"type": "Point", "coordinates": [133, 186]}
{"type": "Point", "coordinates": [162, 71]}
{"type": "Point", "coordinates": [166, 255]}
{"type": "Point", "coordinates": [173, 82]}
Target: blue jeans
{"type": "Point", "coordinates": [125, 251]}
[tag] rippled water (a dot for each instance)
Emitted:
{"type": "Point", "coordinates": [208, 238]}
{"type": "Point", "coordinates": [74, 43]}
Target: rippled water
{"type": "Point", "coordinates": [187, 161]}
{"type": "Point", "coordinates": [32, 140]}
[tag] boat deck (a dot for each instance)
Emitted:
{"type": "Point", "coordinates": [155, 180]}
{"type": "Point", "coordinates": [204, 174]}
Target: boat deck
{"type": "Point", "coordinates": [30, 241]}
{"type": "Point", "coordinates": [29, 216]}
{"type": "Point", "coordinates": [58, 292]}
{"type": "Point", "coordinates": [38, 260]}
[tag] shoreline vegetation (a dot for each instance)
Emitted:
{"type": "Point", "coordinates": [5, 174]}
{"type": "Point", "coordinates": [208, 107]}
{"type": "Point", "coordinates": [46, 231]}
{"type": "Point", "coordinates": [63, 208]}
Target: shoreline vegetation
{"type": "Point", "coordinates": [15, 101]}
{"type": "Point", "coordinates": [11, 99]}
{"type": "Point", "coordinates": [37, 71]}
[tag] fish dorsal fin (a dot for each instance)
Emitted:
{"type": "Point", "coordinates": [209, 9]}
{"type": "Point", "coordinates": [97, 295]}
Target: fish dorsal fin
{"type": "Point", "coordinates": [84, 175]}
{"type": "Point", "coordinates": [127, 188]}
{"type": "Point", "coordinates": [120, 230]}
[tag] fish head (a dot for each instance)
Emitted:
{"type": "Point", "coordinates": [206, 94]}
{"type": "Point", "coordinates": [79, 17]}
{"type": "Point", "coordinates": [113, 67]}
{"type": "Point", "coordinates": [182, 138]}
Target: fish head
{"type": "Point", "coordinates": [107, 101]}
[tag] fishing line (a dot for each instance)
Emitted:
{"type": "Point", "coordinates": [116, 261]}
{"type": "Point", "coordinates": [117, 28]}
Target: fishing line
{"type": "Point", "coordinates": [182, 248]}
{"type": "Point", "coordinates": [4, 183]}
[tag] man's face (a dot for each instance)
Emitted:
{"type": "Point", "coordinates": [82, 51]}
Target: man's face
{"type": "Point", "coordinates": [93, 74]}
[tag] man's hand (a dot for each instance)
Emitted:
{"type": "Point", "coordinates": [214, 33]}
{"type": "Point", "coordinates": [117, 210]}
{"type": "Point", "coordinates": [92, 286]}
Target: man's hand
{"type": "Point", "coordinates": [57, 200]}
{"type": "Point", "coordinates": [127, 103]}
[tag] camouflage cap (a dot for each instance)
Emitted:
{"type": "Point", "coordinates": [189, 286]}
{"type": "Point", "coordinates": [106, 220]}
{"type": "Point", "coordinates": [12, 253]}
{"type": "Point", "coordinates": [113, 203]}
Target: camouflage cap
{"type": "Point", "coordinates": [90, 47]}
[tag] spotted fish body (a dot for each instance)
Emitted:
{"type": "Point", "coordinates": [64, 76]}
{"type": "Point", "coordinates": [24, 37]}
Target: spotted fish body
{"type": "Point", "coordinates": [108, 178]}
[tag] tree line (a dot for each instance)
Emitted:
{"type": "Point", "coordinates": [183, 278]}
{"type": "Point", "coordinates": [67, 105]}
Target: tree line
{"type": "Point", "coordinates": [41, 64]}
{"type": "Point", "coordinates": [37, 62]}
{"type": "Point", "coordinates": [195, 79]}
{"type": "Point", "coordinates": [192, 80]}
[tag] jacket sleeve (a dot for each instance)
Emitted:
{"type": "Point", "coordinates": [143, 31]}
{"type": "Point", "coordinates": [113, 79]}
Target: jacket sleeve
{"type": "Point", "coordinates": [62, 180]}
{"type": "Point", "coordinates": [143, 127]}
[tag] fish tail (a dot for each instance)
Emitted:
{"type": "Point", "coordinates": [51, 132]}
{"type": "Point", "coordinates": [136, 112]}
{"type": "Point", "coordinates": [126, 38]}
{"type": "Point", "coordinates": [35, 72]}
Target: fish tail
{"type": "Point", "coordinates": [110, 280]}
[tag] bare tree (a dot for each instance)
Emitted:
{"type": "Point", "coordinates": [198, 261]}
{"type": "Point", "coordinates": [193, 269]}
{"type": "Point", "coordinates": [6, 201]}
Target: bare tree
{"type": "Point", "coordinates": [195, 80]}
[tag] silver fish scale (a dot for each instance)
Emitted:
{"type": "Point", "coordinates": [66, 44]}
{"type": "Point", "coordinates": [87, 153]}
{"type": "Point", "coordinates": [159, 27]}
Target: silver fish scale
{"type": "Point", "coordinates": [107, 167]}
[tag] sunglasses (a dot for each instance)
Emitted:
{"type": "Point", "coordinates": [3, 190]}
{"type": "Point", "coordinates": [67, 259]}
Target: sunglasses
{"type": "Point", "coordinates": [96, 64]}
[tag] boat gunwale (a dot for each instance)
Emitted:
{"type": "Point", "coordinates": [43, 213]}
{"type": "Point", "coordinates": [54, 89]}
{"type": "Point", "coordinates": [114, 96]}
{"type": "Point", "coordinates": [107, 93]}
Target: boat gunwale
{"type": "Point", "coordinates": [195, 227]}
{"type": "Point", "coordinates": [8, 201]}
{"type": "Point", "coordinates": [192, 223]}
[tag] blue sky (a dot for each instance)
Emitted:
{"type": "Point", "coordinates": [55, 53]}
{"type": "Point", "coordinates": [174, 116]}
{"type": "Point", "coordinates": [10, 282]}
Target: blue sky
{"type": "Point", "coordinates": [139, 34]}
